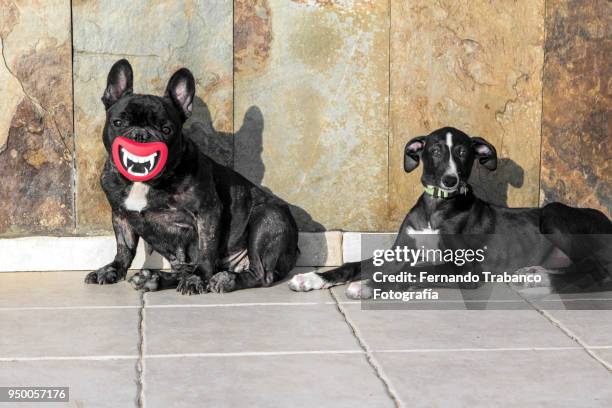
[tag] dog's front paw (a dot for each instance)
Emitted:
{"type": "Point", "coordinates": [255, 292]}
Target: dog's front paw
{"type": "Point", "coordinates": [358, 291]}
{"type": "Point", "coordinates": [222, 282]}
{"type": "Point", "coordinates": [308, 281]}
{"type": "Point", "coordinates": [190, 285]}
{"type": "Point", "coordinates": [145, 280]}
{"type": "Point", "coordinates": [106, 275]}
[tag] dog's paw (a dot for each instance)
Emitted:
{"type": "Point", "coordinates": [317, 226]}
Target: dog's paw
{"type": "Point", "coordinates": [358, 291]}
{"type": "Point", "coordinates": [540, 277]}
{"type": "Point", "coordinates": [92, 277]}
{"type": "Point", "coordinates": [145, 280]}
{"type": "Point", "coordinates": [105, 276]}
{"type": "Point", "coordinates": [305, 282]}
{"type": "Point", "coordinates": [190, 285]}
{"type": "Point", "coordinates": [222, 282]}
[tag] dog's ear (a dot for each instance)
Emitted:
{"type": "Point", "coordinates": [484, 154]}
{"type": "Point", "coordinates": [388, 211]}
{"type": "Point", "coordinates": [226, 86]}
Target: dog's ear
{"type": "Point", "coordinates": [119, 82]}
{"type": "Point", "coordinates": [485, 152]}
{"type": "Point", "coordinates": [181, 90]}
{"type": "Point", "coordinates": [412, 153]}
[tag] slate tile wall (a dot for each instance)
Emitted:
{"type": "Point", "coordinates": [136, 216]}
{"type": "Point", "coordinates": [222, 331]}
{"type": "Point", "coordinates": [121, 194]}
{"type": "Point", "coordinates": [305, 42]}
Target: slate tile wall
{"type": "Point", "coordinates": [577, 92]}
{"type": "Point", "coordinates": [313, 99]}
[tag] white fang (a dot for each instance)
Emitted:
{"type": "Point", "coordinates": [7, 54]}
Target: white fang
{"type": "Point", "coordinates": [137, 197]}
{"type": "Point", "coordinates": [129, 159]}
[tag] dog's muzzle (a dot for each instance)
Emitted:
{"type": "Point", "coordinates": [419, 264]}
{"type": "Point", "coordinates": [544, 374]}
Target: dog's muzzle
{"type": "Point", "coordinates": [139, 161]}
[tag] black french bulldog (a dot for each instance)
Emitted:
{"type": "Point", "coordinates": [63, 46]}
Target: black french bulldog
{"type": "Point", "coordinates": [219, 231]}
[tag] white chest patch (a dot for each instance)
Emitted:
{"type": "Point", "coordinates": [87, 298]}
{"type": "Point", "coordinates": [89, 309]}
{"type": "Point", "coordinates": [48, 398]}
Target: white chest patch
{"type": "Point", "coordinates": [424, 231]}
{"type": "Point", "coordinates": [137, 197]}
{"type": "Point", "coordinates": [426, 237]}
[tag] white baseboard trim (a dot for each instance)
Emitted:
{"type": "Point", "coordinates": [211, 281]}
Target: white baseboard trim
{"type": "Point", "coordinates": [352, 243]}
{"type": "Point", "coordinates": [43, 253]}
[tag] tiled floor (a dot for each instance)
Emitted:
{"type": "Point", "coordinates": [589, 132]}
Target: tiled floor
{"type": "Point", "coordinates": [115, 347]}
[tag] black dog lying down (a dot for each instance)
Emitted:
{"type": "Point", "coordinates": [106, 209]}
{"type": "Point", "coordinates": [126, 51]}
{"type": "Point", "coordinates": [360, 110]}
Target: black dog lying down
{"type": "Point", "coordinates": [201, 216]}
{"type": "Point", "coordinates": [516, 238]}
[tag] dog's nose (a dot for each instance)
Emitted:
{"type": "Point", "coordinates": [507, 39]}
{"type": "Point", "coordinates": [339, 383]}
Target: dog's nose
{"type": "Point", "coordinates": [140, 135]}
{"type": "Point", "coordinates": [449, 181]}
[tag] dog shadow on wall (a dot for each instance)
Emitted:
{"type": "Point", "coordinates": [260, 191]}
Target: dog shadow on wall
{"type": "Point", "coordinates": [493, 186]}
{"type": "Point", "coordinates": [245, 146]}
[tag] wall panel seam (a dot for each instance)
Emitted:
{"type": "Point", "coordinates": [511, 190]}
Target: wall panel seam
{"type": "Point", "coordinates": [542, 103]}
{"type": "Point", "coordinates": [74, 148]}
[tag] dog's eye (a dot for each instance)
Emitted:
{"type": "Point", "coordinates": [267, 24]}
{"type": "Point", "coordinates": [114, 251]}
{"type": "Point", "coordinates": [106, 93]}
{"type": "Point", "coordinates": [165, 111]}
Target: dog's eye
{"type": "Point", "coordinates": [117, 123]}
{"type": "Point", "coordinates": [436, 152]}
{"type": "Point", "coordinates": [166, 130]}
{"type": "Point", "coordinates": [461, 153]}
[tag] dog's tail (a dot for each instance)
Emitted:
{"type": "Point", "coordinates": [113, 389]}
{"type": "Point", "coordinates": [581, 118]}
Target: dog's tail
{"type": "Point", "coordinates": [346, 273]}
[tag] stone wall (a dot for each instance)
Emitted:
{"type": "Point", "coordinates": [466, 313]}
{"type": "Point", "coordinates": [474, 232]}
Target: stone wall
{"type": "Point", "coordinates": [312, 99]}
{"type": "Point", "coordinates": [36, 138]}
{"type": "Point", "coordinates": [576, 125]}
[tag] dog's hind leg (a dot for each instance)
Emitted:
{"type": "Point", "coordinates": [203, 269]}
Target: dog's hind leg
{"type": "Point", "coordinates": [272, 251]}
{"type": "Point", "coordinates": [585, 236]}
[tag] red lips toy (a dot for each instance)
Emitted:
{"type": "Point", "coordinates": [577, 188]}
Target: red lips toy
{"type": "Point", "coordinates": [139, 161]}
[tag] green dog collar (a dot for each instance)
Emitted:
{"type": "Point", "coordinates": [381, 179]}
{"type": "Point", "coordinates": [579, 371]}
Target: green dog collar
{"type": "Point", "coordinates": [439, 193]}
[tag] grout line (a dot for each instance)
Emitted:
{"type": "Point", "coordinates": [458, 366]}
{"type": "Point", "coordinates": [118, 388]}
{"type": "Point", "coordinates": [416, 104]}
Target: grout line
{"type": "Point", "coordinates": [362, 351]}
{"type": "Point", "coordinates": [215, 305]}
{"type": "Point", "coordinates": [478, 350]}
{"type": "Point", "coordinates": [70, 358]}
{"type": "Point", "coordinates": [255, 353]}
{"type": "Point", "coordinates": [10, 309]}
{"type": "Point", "coordinates": [575, 338]}
{"type": "Point", "coordinates": [143, 356]}
{"type": "Point", "coordinates": [557, 323]}
{"type": "Point", "coordinates": [368, 354]}
{"type": "Point", "coordinates": [256, 304]}
{"type": "Point", "coordinates": [576, 300]}
{"type": "Point", "coordinates": [140, 367]}
{"type": "Point", "coordinates": [391, 302]}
